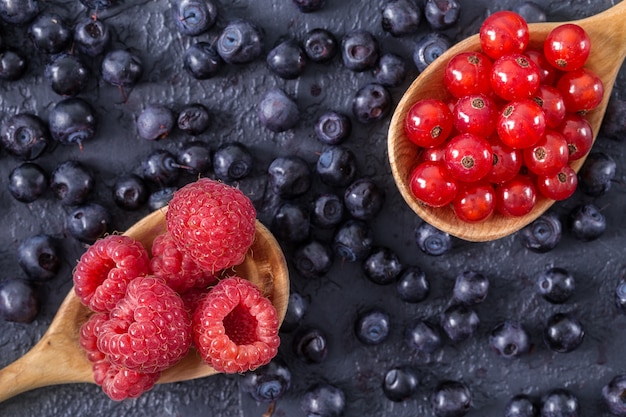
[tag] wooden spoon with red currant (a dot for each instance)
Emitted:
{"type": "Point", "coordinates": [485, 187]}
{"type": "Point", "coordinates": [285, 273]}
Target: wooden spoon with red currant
{"type": "Point", "coordinates": [494, 131]}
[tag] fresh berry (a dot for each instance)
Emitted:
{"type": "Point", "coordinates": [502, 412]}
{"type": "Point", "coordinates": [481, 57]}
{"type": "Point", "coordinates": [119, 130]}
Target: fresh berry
{"type": "Point", "coordinates": [156, 121]}
{"type": "Point", "coordinates": [240, 42]}
{"type": "Point", "coordinates": [563, 333]}
{"type": "Point", "coordinates": [613, 394]}
{"type": "Point", "coordinates": [556, 285]}
{"type": "Point", "coordinates": [451, 399]}
{"type": "Point", "coordinates": [193, 119]}
{"type": "Point", "coordinates": [327, 211]}
{"type": "Point", "coordinates": [323, 400]}
{"type": "Point", "coordinates": [19, 301]}
{"type": "Point", "coordinates": [277, 111]}
{"type": "Point", "coordinates": [372, 327]}
{"type": "Point", "coordinates": [468, 73]}
{"type": "Point", "coordinates": [442, 14]}
{"type": "Point", "coordinates": [558, 186]}
{"type": "Point", "coordinates": [432, 184]}
{"type": "Point", "coordinates": [363, 199]}
{"type": "Point", "coordinates": [287, 59]}
{"type": "Point", "coordinates": [91, 36]}
{"type": "Point", "coordinates": [232, 161]}
{"type": "Point", "coordinates": [582, 90]}
{"type": "Point", "coordinates": [194, 17]}
{"type": "Point", "coordinates": [359, 50]}
{"type": "Point", "coordinates": [19, 12]}
{"type": "Point", "coordinates": [428, 48]}
{"type": "Point", "coordinates": [514, 77]}
{"type": "Point", "coordinates": [202, 61]}
{"type": "Point", "coordinates": [371, 103]}
{"type": "Point", "coordinates": [24, 135]}
{"type": "Point", "coordinates": [516, 197]}
{"type": "Point", "coordinates": [509, 339]}
{"type": "Point", "coordinates": [195, 157]}
{"type": "Point", "coordinates": [160, 167]}
{"type": "Point", "coordinates": [333, 128]}
{"type": "Point", "coordinates": [313, 259]}
{"type": "Point", "coordinates": [121, 68]}
{"type": "Point", "coordinates": [431, 240]}
{"type": "Point", "coordinates": [382, 266]}
{"type": "Point", "coordinates": [502, 33]}
{"type": "Point", "coordinates": [39, 256]}
{"type": "Point", "coordinates": [353, 240]}
{"type": "Point", "coordinates": [267, 383]}
{"type": "Point", "coordinates": [289, 176]}
{"type": "Point", "coordinates": [521, 405]}
{"type": "Point", "coordinates": [296, 309]}
{"type": "Point", "coordinates": [470, 287]}
{"type": "Point", "coordinates": [161, 198]}
{"type": "Point", "coordinates": [543, 234]}
{"type": "Point", "coordinates": [27, 182]}
{"type": "Point", "coordinates": [390, 71]}
{"type": "Point", "coordinates": [310, 344]}
{"type": "Point", "coordinates": [459, 322]}
{"type": "Point", "coordinates": [401, 17]}
{"type": "Point", "coordinates": [49, 33]}
{"type": "Point", "coordinates": [67, 74]}
{"type": "Point", "coordinates": [559, 402]}
{"type": "Point", "coordinates": [567, 47]}
{"type": "Point", "coordinates": [474, 202]}
{"type": "Point", "coordinates": [620, 296]}
{"type": "Point", "coordinates": [468, 157]}
{"type": "Point", "coordinates": [320, 45]}
{"type": "Point", "coordinates": [597, 174]}
{"type": "Point", "coordinates": [476, 114]}
{"type": "Point", "coordinates": [400, 383]}
{"type": "Point", "coordinates": [87, 222]}
{"type": "Point", "coordinates": [521, 124]}
{"type": "Point", "coordinates": [336, 166]}
{"type": "Point", "coordinates": [429, 123]}
{"type": "Point", "coordinates": [422, 336]}
{"type": "Point", "coordinates": [71, 183]}
{"type": "Point", "coordinates": [548, 156]}
{"type": "Point", "coordinates": [130, 192]}
{"type": "Point", "coordinates": [12, 65]}
{"type": "Point", "coordinates": [586, 222]}
{"type": "Point", "coordinates": [412, 285]}
{"type": "Point", "coordinates": [88, 336]}
{"type": "Point", "coordinates": [120, 383]}
{"type": "Point", "coordinates": [72, 121]}
{"type": "Point", "coordinates": [291, 222]}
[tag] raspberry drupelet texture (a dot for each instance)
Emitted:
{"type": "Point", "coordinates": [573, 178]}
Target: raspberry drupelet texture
{"type": "Point", "coordinates": [88, 337]}
{"type": "Point", "coordinates": [106, 268]}
{"type": "Point", "coordinates": [213, 222]}
{"type": "Point", "coordinates": [120, 383]}
{"type": "Point", "coordinates": [235, 327]}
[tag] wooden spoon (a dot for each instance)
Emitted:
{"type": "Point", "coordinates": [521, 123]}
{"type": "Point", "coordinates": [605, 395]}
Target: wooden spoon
{"type": "Point", "coordinates": [58, 358]}
{"type": "Point", "coordinates": [608, 50]}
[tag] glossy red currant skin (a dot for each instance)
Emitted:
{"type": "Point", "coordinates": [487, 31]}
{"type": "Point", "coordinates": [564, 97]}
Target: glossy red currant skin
{"type": "Point", "coordinates": [552, 103]}
{"type": "Point", "coordinates": [514, 77]}
{"type": "Point", "coordinates": [521, 124]}
{"type": "Point", "coordinates": [468, 73]}
{"type": "Point", "coordinates": [558, 186]}
{"type": "Point", "coordinates": [431, 184]}
{"type": "Point", "coordinates": [475, 202]}
{"type": "Point", "coordinates": [582, 90]}
{"type": "Point", "coordinates": [506, 162]}
{"type": "Point", "coordinates": [578, 134]}
{"type": "Point", "coordinates": [547, 156]}
{"type": "Point", "coordinates": [428, 123]}
{"type": "Point", "coordinates": [434, 154]}
{"type": "Point", "coordinates": [567, 47]}
{"type": "Point", "coordinates": [476, 114]}
{"type": "Point", "coordinates": [468, 157]}
{"type": "Point", "coordinates": [516, 197]}
{"type": "Point", "coordinates": [503, 32]}
{"type": "Point", "coordinates": [548, 74]}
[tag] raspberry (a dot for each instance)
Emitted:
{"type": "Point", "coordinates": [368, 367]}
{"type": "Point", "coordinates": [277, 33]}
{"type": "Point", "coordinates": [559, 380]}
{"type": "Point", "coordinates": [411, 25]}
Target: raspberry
{"type": "Point", "coordinates": [235, 327]}
{"type": "Point", "coordinates": [213, 222]}
{"type": "Point", "coordinates": [177, 268]}
{"type": "Point", "coordinates": [88, 337]}
{"type": "Point", "coordinates": [149, 330]}
{"type": "Point", "coordinates": [120, 383]}
{"type": "Point", "coordinates": [106, 268]}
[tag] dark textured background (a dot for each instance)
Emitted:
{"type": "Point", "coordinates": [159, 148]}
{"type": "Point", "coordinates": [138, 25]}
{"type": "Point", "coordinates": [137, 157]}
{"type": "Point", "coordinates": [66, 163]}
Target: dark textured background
{"type": "Point", "coordinates": [336, 299]}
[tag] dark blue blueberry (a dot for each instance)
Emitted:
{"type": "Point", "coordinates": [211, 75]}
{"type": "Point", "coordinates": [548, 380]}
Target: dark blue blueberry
{"type": "Point", "coordinates": [451, 399]}
{"type": "Point", "coordinates": [363, 199]}
{"type": "Point", "coordinates": [161, 198]}
{"type": "Point", "coordinates": [67, 74]}
{"type": "Point", "coordinates": [160, 167]}
{"type": "Point", "coordinates": [509, 339]}
{"type": "Point", "coordinates": [614, 395]}
{"type": "Point", "coordinates": [155, 122]}
{"type": "Point", "coordinates": [71, 182]}
{"type": "Point", "coordinates": [194, 119]}
{"type": "Point", "coordinates": [401, 17]}
{"type": "Point", "coordinates": [563, 333]}
{"type": "Point", "coordinates": [442, 14]}
{"type": "Point", "coordinates": [39, 257]}
{"type": "Point", "coordinates": [431, 240]}
{"type": "Point", "coordinates": [543, 234]}
{"type": "Point", "coordinates": [521, 405]}
{"type": "Point", "coordinates": [121, 68]}
{"type": "Point", "coordinates": [459, 322]}
{"type": "Point", "coordinates": [391, 70]}
{"type": "Point", "coordinates": [195, 157]}
{"type": "Point", "coordinates": [371, 103]}
{"type": "Point", "coordinates": [291, 222]}
{"type": "Point", "coordinates": [267, 383]}
{"type": "Point", "coordinates": [98, 4]}
{"type": "Point", "coordinates": [27, 182]}
{"type": "Point", "coordinates": [19, 301]}
{"type": "Point", "coordinates": [277, 111]}
{"type": "Point", "coordinates": [412, 285]}
{"type": "Point", "coordinates": [202, 61]}
{"type": "Point", "coordinates": [382, 266]}
{"type": "Point", "coordinates": [309, 6]}
{"type": "Point", "coordinates": [313, 259]}
{"type": "Point", "coordinates": [327, 211]}
{"type": "Point", "coordinates": [428, 48]}
{"type": "Point", "coordinates": [289, 176]}
{"type": "Point", "coordinates": [320, 45]}
{"type": "Point", "coordinates": [49, 33]}
{"type": "Point", "coordinates": [232, 161]}
{"type": "Point", "coordinates": [72, 121]}
{"type": "Point", "coordinates": [240, 42]}
{"type": "Point", "coordinates": [596, 174]}
{"type": "Point", "coordinates": [12, 65]}
{"type": "Point", "coordinates": [91, 36]}
{"type": "Point", "coordinates": [359, 50]}
{"type": "Point", "coordinates": [531, 12]}
{"type": "Point", "coordinates": [559, 402]}
{"type": "Point", "coordinates": [353, 240]}
{"type": "Point", "coordinates": [556, 285]}
{"type": "Point", "coordinates": [400, 383]}
{"type": "Point", "coordinates": [296, 309]}
{"type": "Point", "coordinates": [287, 59]}
{"type": "Point", "coordinates": [130, 192]}
{"type": "Point", "coordinates": [587, 223]}
{"type": "Point", "coordinates": [336, 166]}
{"type": "Point", "coordinates": [620, 295]}
{"type": "Point", "coordinates": [87, 223]}
{"type": "Point", "coordinates": [422, 336]}
{"type": "Point", "coordinates": [24, 135]}
{"type": "Point", "coordinates": [333, 128]}
{"type": "Point", "coordinates": [323, 400]}
{"type": "Point", "coordinates": [613, 124]}
{"type": "Point", "coordinates": [310, 345]}
{"type": "Point", "coordinates": [372, 327]}
{"type": "Point", "coordinates": [470, 287]}
{"type": "Point", "coordinates": [194, 17]}
{"type": "Point", "coordinates": [18, 12]}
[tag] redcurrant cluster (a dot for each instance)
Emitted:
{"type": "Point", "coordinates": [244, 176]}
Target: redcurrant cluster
{"type": "Point", "coordinates": [513, 121]}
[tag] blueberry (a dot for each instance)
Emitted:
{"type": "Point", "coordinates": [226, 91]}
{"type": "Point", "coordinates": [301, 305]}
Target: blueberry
{"type": "Point", "coordinates": [587, 223]}
{"type": "Point", "coordinates": [509, 339]}
{"type": "Point", "coordinates": [202, 61]}
{"type": "Point", "coordinates": [27, 182]}
{"type": "Point", "coordinates": [400, 383]}
{"type": "Point", "coordinates": [382, 266]}
{"type": "Point", "coordinates": [18, 12]}
{"type": "Point", "coordinates": [12, 65]}
{"type": "Point", "coordinates": [559, 402]}
{"type": "Point", "coordinates": [67, 74]}
{"type": "Point", "coordinates": [336, 166]}
{"type": "Point", "coordinates": [130, 192]}
{"type": "Point", "coordinates": [92, 37]}
{"type": "Point", "coordinates": [521, 405]}
{"type": "Point", "coordinates": [451, 399]}
{"type": "Point", "coordinates": [313, 259]}
{"type": "Point", "coordinates": [531, 12]}
{"type": "Point", "coordinates": [323, 400]}
{"type": "Point", "coordinates": [613, 125]}
{"type": "Point", "coordinates": [72, 121]}
{"type": "Point", "coordinates": [359, 50]}
{"type": "Point", "coordinates": [193, 119]}
{"type": "Point", "coordinates": [310, 345]}
{"type": "Point", "coordinates": [543, 234]}
{"type": "Point", "coordinates": [287, 59]}
{"type": "Point", "coordinates": [470, 287]}
{"type": "Point", "coordinates": [39, 257]}
{"type": "Point", "coordinates": [195, 157]}
{"type": "Point", "coordinates": [49, 33]}
{"type": "Point", "coordinates": [71, 182]}
{"type": "Point", "coordinates": [371, 103]}
{"type": "Point", "coordinates": [431, 240]}
{"type": "Point", "coordinates": [161, 198]}
{"type": "Point", "coordinates": [422, 336]}
{"type": "Point", "coordinates": [155, 122]}
{"type": "Point", "coordinates": [401, 17]}
{"type": "Point", "coordinates": [87, 222]}
{"type": "Point", "coordinates": [327, 211]}
{"type": "Point", "coordinates": [232, 161]}
{"type": "Point", "coordinates": [428, 48]}
{"type": "Point", "coordinates": [289, 176]}
{"type": "Point", "coordinates": [364, 199]}
{"type": "Point", "coordinates": [267, 383]}
{"type": "Point", "coordinates": [277, 111]}
{"type": "Point", "coordinates": [412, 285]}
{"type": "Point", "coordinates": [556, 285]}
{"type": "Point", "coordinates": [296, 309]}
{"type": "Point", "coordinates": [309, 6]}
{"type": "Point", "coordinates": [563, 333]}
{"type": "Point", "coordinates": [19, 301]}
{"type": "Point", "coordinates": [459, 322]}
{"type": "Point", "coordinates": [98, 4]}
{"type": "Point", "coordinates": [194, 17]}
{"type": "Point", "coordinates": [620, 295]}
{"type": "Point", "coordinates": [390, 71]}
{"type": "Point", "coordinates": [333, 128]}
{"type": "Point", "coordinates": [596, 174]}
{"type": "Point", "coordinates": [353, 240]}
{"type": "Point", "coordinates": [240, 42]}
{"type": "Point", "coordinates": [614, 395]}
{"type": "Point", "coordinates": [291, 222]}
{"type": "Point", "coordinates": [442, 14]}
{"type": "Point", "coordinates": [24, 135]}
{"type": "Point", "coordinates": [372, 327]}
{"type": "Point", "coordinates": [320, 45]}
{"type": "Point", "coordinates": [121, 68]}
{"type": "Point", "coordinates": [160, 167]}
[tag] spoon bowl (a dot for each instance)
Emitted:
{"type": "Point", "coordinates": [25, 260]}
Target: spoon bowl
{"type": "Point", "coordinates": [608, 39]}
{"type": "Point", "coordinates": [59, 359]}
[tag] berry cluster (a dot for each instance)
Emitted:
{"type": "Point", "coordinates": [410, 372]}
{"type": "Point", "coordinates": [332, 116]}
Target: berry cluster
{"type": "Point", "coordinates": [511, 124]}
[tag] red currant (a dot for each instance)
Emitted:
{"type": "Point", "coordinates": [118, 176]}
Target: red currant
{"type": "Point", "coordinates": [434, 154]}
{"type": "Point", "coordinates": [428, 123]}
{"type": "Point", "coordinates": [560, 185]}
{"type": "Point", "coordinates": [474, 202]}
{"type": "Point", "coordinates": [468, 73]}
{"type": "Point", "coordinates": [475, 114]}
{"type": "Point", "coordinates": [578, 134]}
{"type": "Point", "coordinates": [468, 157]}
{"type": "Point", "coordinates": [582, 90]}
{"type": "Point", "coordinates": [547, 73]}
{"type": "Point", "coordinates": [551, 101]}
{"type": "Point", "coordinates": [516, 197]}
{"type": "Point", "coordinates": [547, 156]}
{"type": "Point", "coordinates": [506, 162]}
{"type": "Point", "coordinates": [567, 47]}
{"type": "Point", "coordinates": [504, 32]}
{"type": "Point", "coordinates": [514, 77]}
{"type": "Point", "coordinates": [521, 124]}
{"type": "Point", "coordinates": [431, 183]}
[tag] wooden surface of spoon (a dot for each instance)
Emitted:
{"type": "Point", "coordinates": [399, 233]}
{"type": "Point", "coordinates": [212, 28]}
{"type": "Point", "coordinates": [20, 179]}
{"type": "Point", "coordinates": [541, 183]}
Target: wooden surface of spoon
{"type": "Point", "coordinates": [607, 31]}
{"type": "Point", "coordinates": [58, 358]}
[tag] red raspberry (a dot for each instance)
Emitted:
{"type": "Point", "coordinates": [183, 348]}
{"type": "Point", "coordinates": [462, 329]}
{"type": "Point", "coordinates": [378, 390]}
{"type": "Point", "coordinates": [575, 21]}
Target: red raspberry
{"type": "Point", "coordinates": [192, 297]}
{"type": "Point", "coordinates": [149, 330]}
{"type": "Point", "coordinates": [213, 222]}
{"type": "Point", "coordinates": [88, 337]}
{"type": "Point", "coordinates": [235, 327]}
{"type": "Point", "coordinates": [106, 268]}
{"type": "Point", "coordinates": [120, 383]}
{"type": "Point", "coordinates": [177, 268]}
